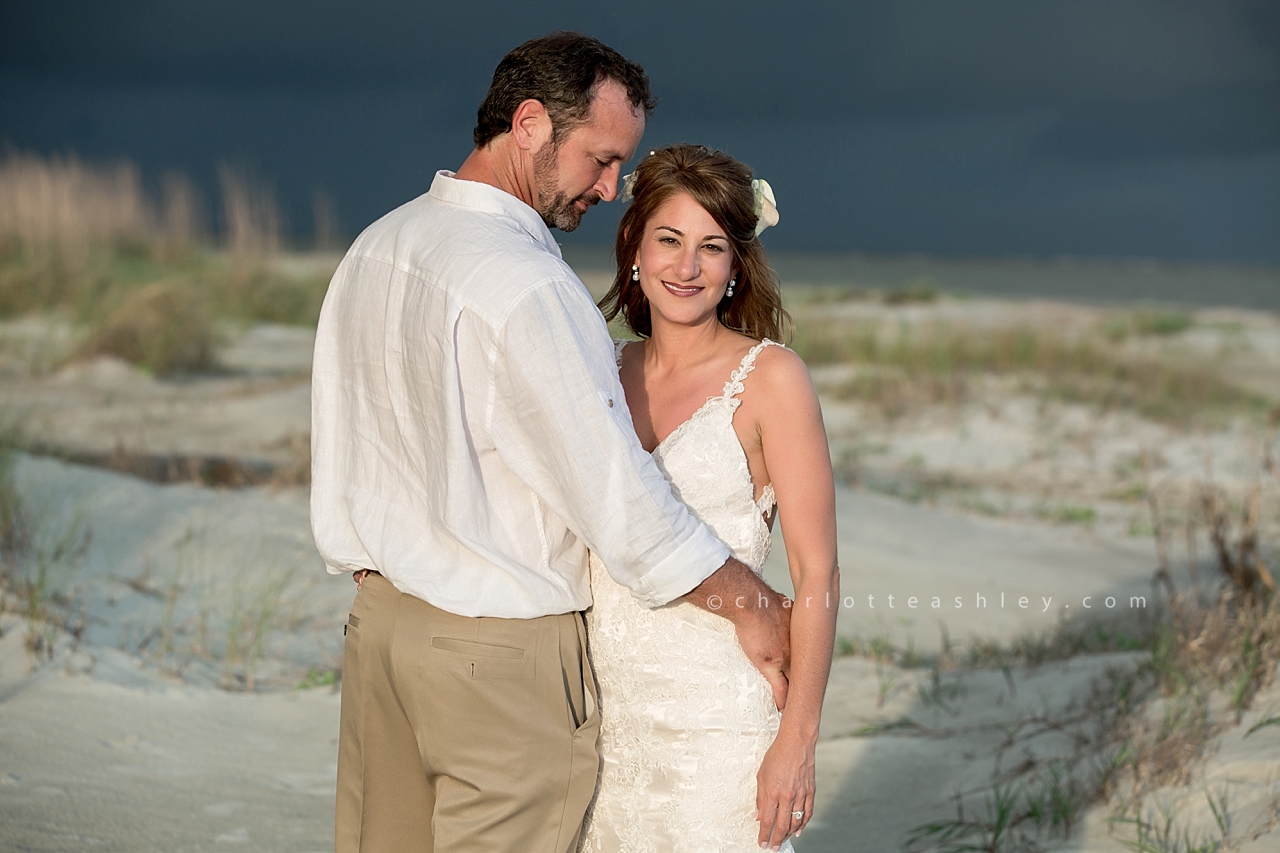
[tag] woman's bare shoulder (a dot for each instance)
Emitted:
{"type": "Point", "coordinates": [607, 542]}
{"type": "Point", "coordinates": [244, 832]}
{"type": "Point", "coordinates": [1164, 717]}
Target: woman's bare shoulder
{"type": "Point", "coordinates": [781, 368]}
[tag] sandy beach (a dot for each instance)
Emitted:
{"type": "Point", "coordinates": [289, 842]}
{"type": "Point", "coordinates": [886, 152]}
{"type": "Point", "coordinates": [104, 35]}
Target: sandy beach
{"type": "Point", "coordinates": [187, 699]}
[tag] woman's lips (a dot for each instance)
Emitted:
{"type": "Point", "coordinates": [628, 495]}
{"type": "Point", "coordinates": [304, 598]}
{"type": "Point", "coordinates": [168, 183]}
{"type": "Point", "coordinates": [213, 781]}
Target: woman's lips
{"type": "Point", "coordinates": [682, 289]}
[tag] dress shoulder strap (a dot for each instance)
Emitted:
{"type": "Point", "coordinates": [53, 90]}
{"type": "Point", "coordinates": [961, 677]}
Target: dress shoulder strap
{"type": "Point", "coordinates": [618, 346]}
{"type": "Point", "coordinates": [734, 386]}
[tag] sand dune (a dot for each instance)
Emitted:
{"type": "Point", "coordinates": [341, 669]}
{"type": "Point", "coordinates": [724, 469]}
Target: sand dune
{"type": "Point", "coordinates": [110, 748]}
{"type": "Point", "coordinates": [185, 714]}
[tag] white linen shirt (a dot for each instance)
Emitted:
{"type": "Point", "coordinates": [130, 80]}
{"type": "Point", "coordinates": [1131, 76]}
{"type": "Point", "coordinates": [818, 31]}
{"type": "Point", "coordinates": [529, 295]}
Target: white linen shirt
{"type": "Point", "coordinates": [470, 438]}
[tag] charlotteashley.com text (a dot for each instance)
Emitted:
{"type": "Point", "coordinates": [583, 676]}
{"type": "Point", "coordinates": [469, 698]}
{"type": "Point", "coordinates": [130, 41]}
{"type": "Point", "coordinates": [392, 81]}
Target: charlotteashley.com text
{"type": "Point", "coordinates": [979, 601]}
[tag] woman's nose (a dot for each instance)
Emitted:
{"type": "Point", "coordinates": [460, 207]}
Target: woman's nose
{"type": "Point", "coordinates": [687, 266]}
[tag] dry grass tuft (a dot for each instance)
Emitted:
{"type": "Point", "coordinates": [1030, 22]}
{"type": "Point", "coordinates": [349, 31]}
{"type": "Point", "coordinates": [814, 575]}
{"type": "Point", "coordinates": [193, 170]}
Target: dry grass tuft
{"type": "Point", "coordinates": [90, 242]}
{"type": "Point", "coordinates": [1139, 731]}
{"type": "Point", "coordinates": [161, 327]}
{"type": "Point", "coordinates": [69, 205]}
{"type": "Point", "coordinates": [223, 623]}
{"type": "Point", "coordinates": [1227, 645]}
{"type": "Point", "coordinates": [1145, 322]}
{"type": "Point", "coordinates": [1240, 560]}
{"type": "Point", "coordinates": [1202, 653]}
{"type": "Point", "coordinates": [1142, 730]}
{"type": "Point", "coordinates": [251, 217]}
{"type": "Point", "coordinates": [41, 549]}
{"type": "Point", "coordinates": [903, 368]}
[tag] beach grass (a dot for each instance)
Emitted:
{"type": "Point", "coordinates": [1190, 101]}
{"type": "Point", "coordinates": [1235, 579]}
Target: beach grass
{"type": "Point", "coordinates": [1143, 729]}
{"type": "Point", "coordinates": [1155, 829]}
{"type": "Point", "coordinates": [137, 272]}
{"type": "Point", "coordinates": [227, 622]}
{"type": "Point", "coordinates": [162, 327]}
{"type": "Point", "coordinates": [901, 368]}
{"type": "Point", "coordinates": [42, 546]}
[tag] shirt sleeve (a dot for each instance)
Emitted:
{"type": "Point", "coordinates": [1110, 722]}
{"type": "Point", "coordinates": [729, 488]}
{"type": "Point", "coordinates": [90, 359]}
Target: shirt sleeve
{"type": "Point", "coordinates": [560, 422]}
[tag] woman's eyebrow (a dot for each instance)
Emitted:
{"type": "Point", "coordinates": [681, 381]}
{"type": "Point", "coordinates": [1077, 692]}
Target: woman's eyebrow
{"type": "Point", "coordinates": [680, 233]}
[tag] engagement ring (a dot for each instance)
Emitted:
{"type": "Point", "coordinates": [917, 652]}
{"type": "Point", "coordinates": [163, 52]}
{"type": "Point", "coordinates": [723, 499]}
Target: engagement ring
{"type": "Point", "coordinates": [797, 815]}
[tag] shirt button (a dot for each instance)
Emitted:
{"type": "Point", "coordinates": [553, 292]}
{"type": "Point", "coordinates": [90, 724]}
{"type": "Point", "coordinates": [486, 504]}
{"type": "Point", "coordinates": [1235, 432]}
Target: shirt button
{"type": "Point", "coordinates": [611, 402]}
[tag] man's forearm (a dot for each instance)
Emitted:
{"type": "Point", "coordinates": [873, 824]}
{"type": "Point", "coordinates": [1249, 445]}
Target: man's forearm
{"type": "Point", "coordinates": [734, 592]}
{"type": "Point", "coordinates": [760, 618]}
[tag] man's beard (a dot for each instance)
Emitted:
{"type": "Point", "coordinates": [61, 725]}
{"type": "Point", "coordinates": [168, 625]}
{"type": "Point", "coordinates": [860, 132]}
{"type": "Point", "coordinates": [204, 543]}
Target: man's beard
{"type": "Point", "coordinates": [554, 206]}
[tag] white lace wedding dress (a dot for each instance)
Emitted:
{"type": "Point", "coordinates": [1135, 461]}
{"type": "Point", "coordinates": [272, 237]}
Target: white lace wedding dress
{"type": "Point", "coordinates": [686, 718]}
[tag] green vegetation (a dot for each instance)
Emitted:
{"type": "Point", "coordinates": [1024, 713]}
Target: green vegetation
{"type": "Point", "coordinates": [42, 546]}
{"type": "Point", "coordinates": [1031, 649]}
{"type": "Point", "coordinates": [162, 327]}
{"type": "Point", "coordinates": [138, 274]}
{"type": "Point", "coordinates": [229, 620]}
{"type": "Point", "coordinates": [1142, 323]}
{"type": "Point", "coordinates": [1156, 830]}
{"type": "Point", "coordinates": [1069, 514]}
{"type": "Point", "coordinates": [903, 368]}
{"type": "Point", "coordinates": [923, 289]}
{"type": "Point", "coordinates": [318, 678]}
{"type": "Point", "coordinates": [1141, 730]}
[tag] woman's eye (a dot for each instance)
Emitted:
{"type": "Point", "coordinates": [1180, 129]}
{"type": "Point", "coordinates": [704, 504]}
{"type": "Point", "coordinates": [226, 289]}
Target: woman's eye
{"type": "Point", "coordinates": [670, 241]}
{"type": "Point", "coordinates": [715, 248]}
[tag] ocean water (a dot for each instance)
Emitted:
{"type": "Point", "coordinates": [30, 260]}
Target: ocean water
{"type": "Point", "coordinates": [1088, 280]}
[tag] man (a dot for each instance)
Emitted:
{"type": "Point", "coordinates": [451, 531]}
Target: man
{"type": "Point", "coordinates": [470, 441]}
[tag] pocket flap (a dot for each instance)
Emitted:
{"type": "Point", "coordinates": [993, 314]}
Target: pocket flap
{"type": "Point", "coordinates": [480, 650]}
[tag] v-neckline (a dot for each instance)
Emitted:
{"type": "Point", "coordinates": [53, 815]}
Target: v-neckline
{"type": "Point", "coordinates": [726, 396]}
{"type": "Point", "coordinates": [680, 426]}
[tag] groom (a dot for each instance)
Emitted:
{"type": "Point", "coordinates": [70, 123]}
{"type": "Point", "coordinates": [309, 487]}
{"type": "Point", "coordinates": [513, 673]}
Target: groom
{"type": "Point", "coordinates": [470, 442]}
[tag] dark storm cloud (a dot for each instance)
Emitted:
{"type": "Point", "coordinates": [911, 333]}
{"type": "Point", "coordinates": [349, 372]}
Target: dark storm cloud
{"type": "Point", "coordinates": [1218, 121]}
{"type": "Point", "coordinates": [1090, 126]}
{"type": "Point", "coordinates": [786, 57]}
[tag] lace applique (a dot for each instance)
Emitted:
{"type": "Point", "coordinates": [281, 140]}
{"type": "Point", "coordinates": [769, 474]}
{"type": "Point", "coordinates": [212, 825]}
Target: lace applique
{"type": "Point", "coordinates": [686, 717]}
{"type": "Point", "coordinates": [768, 500]}
{"type": "Point", "coordinates": [734, 386]}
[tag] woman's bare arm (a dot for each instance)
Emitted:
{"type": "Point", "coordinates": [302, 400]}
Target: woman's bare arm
{"type": "Point", "coordinates": [797, 458]}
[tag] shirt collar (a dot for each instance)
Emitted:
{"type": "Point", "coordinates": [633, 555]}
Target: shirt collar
{"type": "Point", "coordinates": [489, 199]}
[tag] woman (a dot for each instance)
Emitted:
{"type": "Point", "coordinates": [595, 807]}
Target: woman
{"type": "Point", "coordinates": [696, 756]}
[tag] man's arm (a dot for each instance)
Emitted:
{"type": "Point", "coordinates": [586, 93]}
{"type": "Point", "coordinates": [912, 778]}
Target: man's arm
{"type": "Point", "coordinates": [560, 423]}
{"type": "Point", "coordinates": [760, 615]}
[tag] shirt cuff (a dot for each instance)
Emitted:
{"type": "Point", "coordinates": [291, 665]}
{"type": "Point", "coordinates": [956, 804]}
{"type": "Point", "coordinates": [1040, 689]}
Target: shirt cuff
{"type": "Point", "coordinates": [697, 558]}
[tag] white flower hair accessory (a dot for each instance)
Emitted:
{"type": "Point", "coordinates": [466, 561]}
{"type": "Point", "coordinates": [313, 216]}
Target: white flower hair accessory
{"type": "Point", "coordinates": [628, 188]}
{"type": "Point", "coordinates": [766, 205]}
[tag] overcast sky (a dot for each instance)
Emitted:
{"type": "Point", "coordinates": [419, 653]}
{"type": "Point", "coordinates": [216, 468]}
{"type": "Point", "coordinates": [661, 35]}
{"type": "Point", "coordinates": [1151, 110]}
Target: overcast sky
{"type": "Point", "coordinates": [1146, 128]}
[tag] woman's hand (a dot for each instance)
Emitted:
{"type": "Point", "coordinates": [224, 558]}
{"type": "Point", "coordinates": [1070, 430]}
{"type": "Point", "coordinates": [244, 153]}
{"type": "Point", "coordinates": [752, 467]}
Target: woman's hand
{"type": "Point", "coordinates": [796, 455]}
{"type": "Point", "coordinates": [784, 788]}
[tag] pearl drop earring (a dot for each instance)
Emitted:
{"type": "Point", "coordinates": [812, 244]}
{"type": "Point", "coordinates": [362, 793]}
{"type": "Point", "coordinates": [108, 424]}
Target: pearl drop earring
{"type": "Point", "coordinates": [635, 272]}
{"type": "Point", "coordinates": [728, 291]}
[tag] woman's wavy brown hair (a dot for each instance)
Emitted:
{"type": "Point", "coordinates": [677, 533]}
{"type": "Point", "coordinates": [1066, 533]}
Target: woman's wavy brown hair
{"type": "Point", "coordinates": [722, 186]}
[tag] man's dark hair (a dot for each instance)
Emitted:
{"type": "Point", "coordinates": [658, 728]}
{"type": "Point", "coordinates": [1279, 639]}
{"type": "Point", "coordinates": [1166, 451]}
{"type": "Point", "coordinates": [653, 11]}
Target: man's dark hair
{"type": "Point", "coordinates": [562, 71]}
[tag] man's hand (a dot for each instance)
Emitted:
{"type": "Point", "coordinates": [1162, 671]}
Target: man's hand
{"type": "Point", "coordinates": [766, 640]}
{"type": "Point", "coordinates": [761, 616]}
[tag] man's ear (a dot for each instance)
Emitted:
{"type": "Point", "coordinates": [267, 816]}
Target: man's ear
{"type": "Point", "coordinates": [530, 125]}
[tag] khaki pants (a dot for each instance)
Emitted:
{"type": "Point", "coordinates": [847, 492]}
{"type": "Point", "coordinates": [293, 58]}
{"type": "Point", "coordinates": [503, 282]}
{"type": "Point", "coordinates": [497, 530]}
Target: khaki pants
{"type": "Point", "coordinates": [462, 735]}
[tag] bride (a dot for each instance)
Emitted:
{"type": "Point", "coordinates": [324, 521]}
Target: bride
{"type": "Point", "coordinates": [695, 754]}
